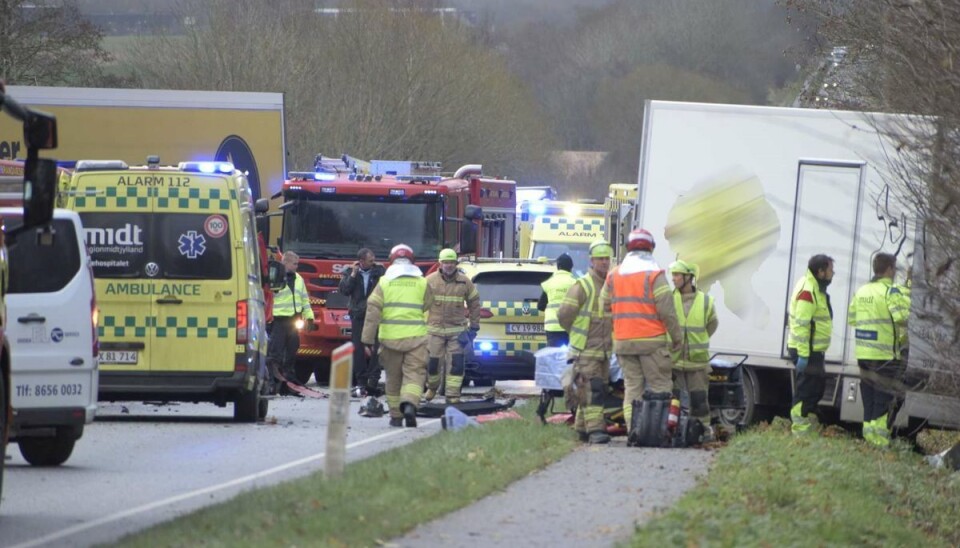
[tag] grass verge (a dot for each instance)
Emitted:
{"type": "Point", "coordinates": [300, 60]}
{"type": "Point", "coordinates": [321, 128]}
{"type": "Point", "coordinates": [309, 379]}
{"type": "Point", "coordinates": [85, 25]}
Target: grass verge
{"type": "Point", "coordinates": [377, 498]}
{"type": "Point", "coordinates": [769, 488]}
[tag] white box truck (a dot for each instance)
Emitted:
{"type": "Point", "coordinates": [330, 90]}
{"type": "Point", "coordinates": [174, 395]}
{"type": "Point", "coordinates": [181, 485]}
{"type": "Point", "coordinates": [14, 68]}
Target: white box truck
{"type": "Point", "coordinates": [750, 194]}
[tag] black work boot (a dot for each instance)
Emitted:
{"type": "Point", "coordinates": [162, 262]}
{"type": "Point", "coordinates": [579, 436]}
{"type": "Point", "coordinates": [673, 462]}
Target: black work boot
{"type": "Point", "coordinates": [583, 436]}
{"type": "Point", "coordinates": [396, 422]}
{"type": "Point", "coordinates": [598, 437]}
{"type": "Point", "coordinates": [409, 414]}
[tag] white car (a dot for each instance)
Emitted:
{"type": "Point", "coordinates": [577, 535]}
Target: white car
{"type": "Point", "coordinates": [52, 333]}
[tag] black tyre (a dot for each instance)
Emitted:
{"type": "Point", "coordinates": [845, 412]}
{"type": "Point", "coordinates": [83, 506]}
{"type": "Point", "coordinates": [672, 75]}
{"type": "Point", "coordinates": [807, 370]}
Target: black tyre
{"type": "Point", "coordinates": [484, 383]}
{"type": "Point", "coordinates": [731, 418]}
{"type": "Point", "coordinates": [321, 371]}
{"type": "Point", "coordinates": [303, 370]}
{"type": "Point", "coordinates": [247, 407]}
{"type": "Point", "coordinates": [52, 451]}
{"type": "Point", "coordinates": [4, 412]}
{"type": "Point", "coordinates": [264, 408]}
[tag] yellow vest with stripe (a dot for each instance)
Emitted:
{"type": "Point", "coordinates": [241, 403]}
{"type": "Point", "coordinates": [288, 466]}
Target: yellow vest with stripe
{"type": "Point", "coordinates": [403, 316]}
{"type": "Point", "coordinates": [288, 303]}
{"type": "Point", "coordinates": [875, 311]}
{"type": "Point", "coordinates": [555, 287]}
{"type": "Point", "coordinates": [590, 311]}
{"type": "Point", "coordinates": [695, 351]}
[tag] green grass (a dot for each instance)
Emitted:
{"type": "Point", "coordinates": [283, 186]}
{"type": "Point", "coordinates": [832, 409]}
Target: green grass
{"type": "Point", "coordinates": [378, 498]}
{"type": "Point", "coordinates": [769, 488]}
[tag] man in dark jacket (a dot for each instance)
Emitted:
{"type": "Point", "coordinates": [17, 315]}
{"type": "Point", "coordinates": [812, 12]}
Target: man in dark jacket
{"type": "Point", "coordinates": [358, 283]}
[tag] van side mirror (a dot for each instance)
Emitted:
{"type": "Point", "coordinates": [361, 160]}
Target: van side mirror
{"type": "Point", "coordinates": [276, 275]}
{"type": "Point", "coordinates": [39, 191]}
{"type": "Point", "coordinates": [473, 212]}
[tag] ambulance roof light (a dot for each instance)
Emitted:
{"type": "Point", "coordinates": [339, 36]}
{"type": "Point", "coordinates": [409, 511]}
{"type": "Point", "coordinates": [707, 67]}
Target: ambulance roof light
{"type": "Point", "coordinates": [571, 210]}
{"type": "Point", "coordinates": [101, 165]}
{"type": "Point", "coordinates": [153, 161]}
{"type": "Point", "coordinates": [206, 167]}
{"type": "Point", "coordinates": [538, 208]}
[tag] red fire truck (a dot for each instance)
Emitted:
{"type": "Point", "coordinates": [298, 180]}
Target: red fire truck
{"type": "Point", "coordinates": [346, 204]}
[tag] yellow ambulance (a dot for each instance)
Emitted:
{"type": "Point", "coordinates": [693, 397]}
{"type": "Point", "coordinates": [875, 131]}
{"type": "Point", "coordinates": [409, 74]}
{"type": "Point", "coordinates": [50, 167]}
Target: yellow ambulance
{"type": "Point", "coordinates": [548, 228]}
{"type": "Point", "coordinates": [176, 266]}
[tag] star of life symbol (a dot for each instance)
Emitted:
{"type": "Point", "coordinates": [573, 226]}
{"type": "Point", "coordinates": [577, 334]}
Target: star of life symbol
{"type": "Point", "coordinates": [192, 244]}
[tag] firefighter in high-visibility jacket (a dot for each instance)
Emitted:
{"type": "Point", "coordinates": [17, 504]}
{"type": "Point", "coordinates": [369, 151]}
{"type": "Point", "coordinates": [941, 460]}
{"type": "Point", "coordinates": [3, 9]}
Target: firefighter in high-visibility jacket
{"type": "Point", "coordinates": [397, 312]}
{"type": "Point", "coordinates": [811, 324]}
{"type": "Point", "coordinates": [449, 329]}
{"type": "Point", "coordinates": [698, 322]}
{"type": "Point", "coordinates": [291, 312]}
{"type": "Point", "coordinates": [878, 313]}
{"type": "Point", "coordinates": [644, 322]}
{"type": "Point", "coordinates": [554, 290]}
{"type": "Point", "coordinates": [581, 314]}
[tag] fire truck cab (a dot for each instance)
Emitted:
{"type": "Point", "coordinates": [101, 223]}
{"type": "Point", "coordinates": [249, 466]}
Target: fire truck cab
{"type": "Point", "coordinates": [347, 204]}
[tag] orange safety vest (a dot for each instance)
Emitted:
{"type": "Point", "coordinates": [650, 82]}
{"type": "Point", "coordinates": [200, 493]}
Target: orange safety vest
{"type": "Point", "coordinates": [634, 307]}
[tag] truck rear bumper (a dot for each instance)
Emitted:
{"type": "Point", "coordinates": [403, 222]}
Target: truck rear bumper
{"type": "Point", "coordinates": [35, 421]}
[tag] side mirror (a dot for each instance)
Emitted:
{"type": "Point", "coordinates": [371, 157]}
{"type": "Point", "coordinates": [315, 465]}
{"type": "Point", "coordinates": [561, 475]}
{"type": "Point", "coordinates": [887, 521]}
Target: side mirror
{"type": "Point", "coordinates": [276, 275]}
{"type": "Point", "coordinates": [41, 131]}
{"type": "Point", "coordinates": [473, 212]}
{"type": "Point", "coordinates": [261, 206]}
{"type": "Point", "coordinates": [39, 191]}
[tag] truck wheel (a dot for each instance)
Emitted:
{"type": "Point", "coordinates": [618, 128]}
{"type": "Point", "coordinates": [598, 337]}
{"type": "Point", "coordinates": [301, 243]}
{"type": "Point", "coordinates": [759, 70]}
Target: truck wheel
{"type": "Point", "coordinates": [264, 407]}
{"type": "Point", "coordinates": [730, 418]}
{"type": "Point", "coordinates": [52, 451]}
{"type": "Point", "coordinates": [482, 383]}
{"type": "Point", "coordinates": [321, 371]}
{"type": "Point", "coordinates": [247, 407]}
{"type": "Point", "coordinates": [303, 370]}
{"type": "Point", "coordinates": [3, 428]}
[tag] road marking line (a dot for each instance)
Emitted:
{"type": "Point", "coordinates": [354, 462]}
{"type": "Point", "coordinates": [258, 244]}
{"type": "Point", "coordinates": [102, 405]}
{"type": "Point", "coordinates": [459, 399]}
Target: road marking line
{"type": "Point", "coordinates": [199, 492]}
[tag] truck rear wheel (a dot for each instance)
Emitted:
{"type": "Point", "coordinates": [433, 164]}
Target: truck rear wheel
{"type": "Point", "coordinates": [52, 451]}
{"type": "Point", "coordinates": [247, 407]}
{"type": "Point", "coordinates": [731, 418]}
{"type": "Point", "coordinates": [3, 428]}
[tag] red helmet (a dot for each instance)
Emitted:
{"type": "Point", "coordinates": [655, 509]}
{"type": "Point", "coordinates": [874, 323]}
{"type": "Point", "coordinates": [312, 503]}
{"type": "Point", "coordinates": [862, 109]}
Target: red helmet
{"type": "Point", "coordinates": [401, 251]}
{"type": "Point", "coordinates": [640, 240]}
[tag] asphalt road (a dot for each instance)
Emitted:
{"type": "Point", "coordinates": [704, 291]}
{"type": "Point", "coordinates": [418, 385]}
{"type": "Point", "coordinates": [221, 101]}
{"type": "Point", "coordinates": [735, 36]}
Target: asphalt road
{"type": "Point", "coordinates": [138, 465]}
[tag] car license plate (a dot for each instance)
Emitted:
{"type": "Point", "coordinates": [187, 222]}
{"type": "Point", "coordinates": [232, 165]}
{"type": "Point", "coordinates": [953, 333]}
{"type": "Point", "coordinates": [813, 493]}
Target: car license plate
{"type": "Point", "coordinates": [118, 356]}
{"type": "Point", "coordinates": [524, 328]}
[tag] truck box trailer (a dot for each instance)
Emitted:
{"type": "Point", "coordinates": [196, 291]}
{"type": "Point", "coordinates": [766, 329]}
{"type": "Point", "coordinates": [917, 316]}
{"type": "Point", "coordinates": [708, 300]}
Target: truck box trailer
{"type": "Point", "coordinates": [244, 128]}
{"type": "Point", "coordinates": [750, 194]}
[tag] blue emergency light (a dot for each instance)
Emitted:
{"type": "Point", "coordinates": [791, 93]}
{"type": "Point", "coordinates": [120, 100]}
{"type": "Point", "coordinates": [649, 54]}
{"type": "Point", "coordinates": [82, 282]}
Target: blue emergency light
{"type": "Point", "coordinates": [485, 346]}
{"type": "Point", "coordinates": [207, 167]}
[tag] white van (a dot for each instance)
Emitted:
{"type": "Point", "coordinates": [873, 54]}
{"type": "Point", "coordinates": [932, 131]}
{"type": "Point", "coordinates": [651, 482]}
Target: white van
{"type": "Point", "coordinates": [52, 333]}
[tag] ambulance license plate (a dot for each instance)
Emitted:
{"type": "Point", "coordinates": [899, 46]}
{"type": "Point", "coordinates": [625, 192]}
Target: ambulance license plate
{"type": "Point", "coordinates": [524, 328]}
{"type": "Point", "coordinates": [128, 357]}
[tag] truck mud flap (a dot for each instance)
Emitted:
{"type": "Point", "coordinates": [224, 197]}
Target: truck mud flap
{"type": "Point", "coordinates": [471, 408]}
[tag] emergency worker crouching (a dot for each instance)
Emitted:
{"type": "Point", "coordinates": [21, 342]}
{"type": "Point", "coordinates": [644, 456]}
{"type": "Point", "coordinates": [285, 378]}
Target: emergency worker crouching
{"type": "Point", "coordinates": [581, 314]}
{"type": "Point", "coordinates": [449, 330]}
{"type": "Point", "coordinates": [397, 312]}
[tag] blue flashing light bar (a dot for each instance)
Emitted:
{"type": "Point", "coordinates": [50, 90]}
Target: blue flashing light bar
{"type": "Point", "coordinates": [207, 167]}
{"type": "Point", "coordinates": [485, 346]}
{"type": "Point", "coordinates": [538, 208]}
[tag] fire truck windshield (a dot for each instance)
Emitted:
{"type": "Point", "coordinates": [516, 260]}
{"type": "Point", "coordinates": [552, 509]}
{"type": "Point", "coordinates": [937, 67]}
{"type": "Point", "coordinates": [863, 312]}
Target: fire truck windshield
{"type": "Point", "coordinates": [338, 228]}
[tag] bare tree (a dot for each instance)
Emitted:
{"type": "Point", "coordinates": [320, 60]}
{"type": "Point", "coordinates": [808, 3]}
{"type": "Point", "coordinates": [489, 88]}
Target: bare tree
{"type": "Point", "coordinates": [376, 79]}
{"type": "Point", "coordinates": [48, 43]}
{"type": "Point", "coordinates": [903, 57]}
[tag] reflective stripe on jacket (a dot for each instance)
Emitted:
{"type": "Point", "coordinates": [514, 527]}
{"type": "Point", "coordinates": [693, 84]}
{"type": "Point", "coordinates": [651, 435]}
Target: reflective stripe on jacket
{"type": "Point", "coordinates": [695, 350]}
{"type": "Point", "coordinates": [448, 316]}
{"type": "Point", "coordinates": [811, 317]}
{"type": "Point", "coordinates": [288, 303]}
{"type": "Point", "coordinates": [556, 288]}
{"type": "Point", "coordinates": [878, 313]}
{"type": "Point", "coordinates": [581, 313]}
{"type": "Point", "coordinates": [634, 306]}
{"type": "Point", "coordinates": [402, 302]}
